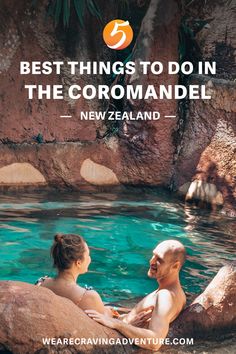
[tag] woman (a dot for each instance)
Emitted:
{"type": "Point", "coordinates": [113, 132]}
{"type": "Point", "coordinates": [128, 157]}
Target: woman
{"type": "Point", "coordinates": [71, 257]}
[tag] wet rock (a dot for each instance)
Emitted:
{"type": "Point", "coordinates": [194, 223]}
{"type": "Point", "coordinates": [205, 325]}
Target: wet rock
{"type": "Point", "coordinates": [214, 25]}
{"type": "Point", "coordinates": [217, 38]}
{"type": "Point", "coordinates": [203, 191]}
{"type": "Point", "coordinates": [214, 311]}
{"type": "Point", "coordinates": [207, 149]}
{"type": "Point", "coordinates": [29, 313]}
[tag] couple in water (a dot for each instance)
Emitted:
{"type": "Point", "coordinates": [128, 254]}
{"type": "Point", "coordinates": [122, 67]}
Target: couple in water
{"type": "Point", "coordinates": [151, 317]}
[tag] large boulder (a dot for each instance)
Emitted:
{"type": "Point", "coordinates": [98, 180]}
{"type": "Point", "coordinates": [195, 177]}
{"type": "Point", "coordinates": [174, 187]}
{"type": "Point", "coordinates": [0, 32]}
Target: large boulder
{"type": "Point", "coordinates": [29, 313]}
{"type": "Point", "coordinates": [213, 311]}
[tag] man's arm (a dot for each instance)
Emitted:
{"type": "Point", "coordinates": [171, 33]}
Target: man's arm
{"type": "Point", "coordinates": [142, 305]}
{"type": "Point", "coordinates": [158, 326]}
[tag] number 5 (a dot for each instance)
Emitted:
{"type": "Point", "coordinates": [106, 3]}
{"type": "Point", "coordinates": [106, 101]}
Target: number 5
{"type": "Point", "coordinates": [117, 30]}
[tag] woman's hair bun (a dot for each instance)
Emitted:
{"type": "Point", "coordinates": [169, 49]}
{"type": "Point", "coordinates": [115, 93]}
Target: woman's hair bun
{"type": "Point", "coordinates": [66, 249]}
{"type": "Point", "coordinates": [58, 238]}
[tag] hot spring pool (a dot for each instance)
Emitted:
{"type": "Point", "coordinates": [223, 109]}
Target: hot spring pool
{"type": "Point", "coordinates": [122, 228]}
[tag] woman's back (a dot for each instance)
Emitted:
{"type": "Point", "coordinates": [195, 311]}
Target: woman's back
{"type": "Point", "coordinates": [66, 289]}
{"type": "Point", "coordinates": [71, 257]}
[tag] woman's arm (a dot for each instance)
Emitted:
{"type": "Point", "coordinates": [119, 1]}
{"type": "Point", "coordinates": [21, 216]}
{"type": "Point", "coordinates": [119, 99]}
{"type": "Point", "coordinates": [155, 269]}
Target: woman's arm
{"type": "Point", "coordinates": [92, 300]}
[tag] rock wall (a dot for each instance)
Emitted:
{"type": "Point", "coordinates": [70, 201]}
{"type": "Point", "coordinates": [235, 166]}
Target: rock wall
{"type": "Point", "coordinates": [211, 125]}
{"type": "Point", "coordinates": [198, 144]}
{"type": "Point", "coordinates": [68, 164]}
{"type": "Point", "coordinates": [135, 155]}
{"type": "Point", "coordinates": [207, 148]}
{"type": "Point", "coordinates": [149, 145]}
{"type": "Point", "coordinates": [26, 34]}
{"type": "Point", "coordinates": [214, 23]}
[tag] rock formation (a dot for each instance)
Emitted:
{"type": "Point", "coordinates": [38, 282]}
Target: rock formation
{"type": "Point", "coordinates": [214, 311]}
{"type": "Point", "coordinates": [202, 191]}
{"type": "Point", "coordinates": [140, 151]}
{"type": "Point", "coordinates": [206, 150]}
{"type": "Point", "coordinates": [211, 125]}
{"type": "Point", "coordinates": [21, 174]}
{"type": "Point", "coordinates": [199, 144]}
{"type": "Point", "coordinates": [29, 313]}
{"type": "Point", "coordinates": [97, 174]}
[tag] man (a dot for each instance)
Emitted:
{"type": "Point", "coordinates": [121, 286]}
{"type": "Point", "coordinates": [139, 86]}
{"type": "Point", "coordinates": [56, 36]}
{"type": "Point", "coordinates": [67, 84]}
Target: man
{"type": "Point", "coordinates": [157, 310]}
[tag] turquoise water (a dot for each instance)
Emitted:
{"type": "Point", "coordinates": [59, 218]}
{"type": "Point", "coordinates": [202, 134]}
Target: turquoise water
{"type": "Point", "coordinates": [122, 228]}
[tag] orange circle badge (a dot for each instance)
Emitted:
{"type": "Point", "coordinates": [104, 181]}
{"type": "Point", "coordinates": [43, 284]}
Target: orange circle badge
{"type": "Point", "coordinates": [118, 34]}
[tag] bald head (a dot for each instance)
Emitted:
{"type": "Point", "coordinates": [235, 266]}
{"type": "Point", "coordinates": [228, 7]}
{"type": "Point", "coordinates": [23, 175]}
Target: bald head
{"type": "Point", "coordinates": [173, 249]}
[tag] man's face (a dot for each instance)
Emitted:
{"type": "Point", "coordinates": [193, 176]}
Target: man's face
{"type": "Point", "coordinates": [160, 263]}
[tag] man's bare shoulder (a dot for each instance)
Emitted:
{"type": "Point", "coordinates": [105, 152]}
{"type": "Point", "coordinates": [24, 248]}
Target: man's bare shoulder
{"type": "Point", "coordinates": [176, 293]}
{"type": "Point", "coordinates": [165, 297]}
{"type": "Point", "coordinates": [170, 303]}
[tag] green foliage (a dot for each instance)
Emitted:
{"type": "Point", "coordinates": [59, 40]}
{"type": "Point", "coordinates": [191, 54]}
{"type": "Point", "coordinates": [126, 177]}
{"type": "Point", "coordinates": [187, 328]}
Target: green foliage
{"type": "Point", "coordinates": [93, 9]}
{"type": "Point", "coordinates": [80, 8]}
{"type": "Point", "coordinates": [185, 35]}
{"type": "Point", "coordinates": [60, 10]}
{"type": "Point", "coordinates": [124, 6]}
{"type": "Point", "coordinates": [39, 138]}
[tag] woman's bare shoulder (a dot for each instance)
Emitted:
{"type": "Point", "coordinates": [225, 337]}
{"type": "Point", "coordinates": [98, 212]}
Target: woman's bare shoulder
{"type": "Point", "coordinates": [91, 294]}
{"type": "Point", "coordinates": [91, 300]}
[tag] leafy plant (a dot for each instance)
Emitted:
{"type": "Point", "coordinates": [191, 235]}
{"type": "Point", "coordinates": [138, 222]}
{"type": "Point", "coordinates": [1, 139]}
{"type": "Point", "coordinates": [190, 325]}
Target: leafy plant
{"type": "Point", "coordinates": [185, 36]}
{"type": "Point", "coordinates": [38, 138]}
{"type": "Point", "coordinates": [61, 9]}
{"type": "Point", "coordinates": [124, 6]}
